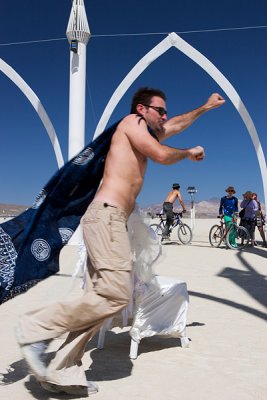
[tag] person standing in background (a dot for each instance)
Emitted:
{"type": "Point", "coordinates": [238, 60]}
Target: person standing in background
{"type": "Point", "coordinates": [228, 206]}
{"type": "Point", "coordinates": [260, 221]}
{"type": "Point", "coordinates": [249, 220]}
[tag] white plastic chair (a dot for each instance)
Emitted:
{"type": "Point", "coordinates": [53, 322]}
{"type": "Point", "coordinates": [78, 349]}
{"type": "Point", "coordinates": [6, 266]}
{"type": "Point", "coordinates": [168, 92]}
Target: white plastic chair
{"type": "Point", "coordinates": [160, 304]}
{"type": "Point", "coordinates": [160, 308]}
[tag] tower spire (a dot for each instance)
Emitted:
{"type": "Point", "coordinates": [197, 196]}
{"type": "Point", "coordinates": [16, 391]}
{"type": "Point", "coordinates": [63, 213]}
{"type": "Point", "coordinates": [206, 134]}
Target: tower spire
{"type": "Point", "coordinates": [78, 27]}
{"type": "Point", "coordinates": [78, 34]}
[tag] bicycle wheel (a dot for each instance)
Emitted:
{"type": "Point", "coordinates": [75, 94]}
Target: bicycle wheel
{"type": "Point", "coordinates": [215, 235]}
{"type": "Point", "coordinates": [157, 228]}
{"type": "Point", "coordinates": [184, 233]}
{"type": "Point", "coordinates": [237, 237]}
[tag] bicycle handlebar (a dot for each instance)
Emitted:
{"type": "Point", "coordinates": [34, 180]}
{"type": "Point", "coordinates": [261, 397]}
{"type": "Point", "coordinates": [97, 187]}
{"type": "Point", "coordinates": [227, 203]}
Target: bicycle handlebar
{"type": "Point", "coordinates": [162, 215]}
{"type": "Point", "coordinates": [235, 215]}
{"type": "Point", "coordinates": [178, 213]}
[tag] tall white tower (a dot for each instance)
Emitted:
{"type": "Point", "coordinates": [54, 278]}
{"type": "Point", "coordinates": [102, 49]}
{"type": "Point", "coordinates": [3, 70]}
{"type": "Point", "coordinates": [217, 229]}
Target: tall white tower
{"type": "Point", "coordinates": [78, 34]}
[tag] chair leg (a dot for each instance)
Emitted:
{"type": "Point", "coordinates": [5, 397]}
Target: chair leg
{"type": "Point", "coordinates": [101, 338]}
{"type": "Point", "coordinates": [184, 341]}
{"type": "Point", "coordinates": [133, 349]}
{"type": "Point", "coordinates": [102, 332]}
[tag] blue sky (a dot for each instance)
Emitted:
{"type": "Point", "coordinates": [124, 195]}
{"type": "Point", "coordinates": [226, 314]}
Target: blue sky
{"type": "Point", "coordinates": [27, 160]}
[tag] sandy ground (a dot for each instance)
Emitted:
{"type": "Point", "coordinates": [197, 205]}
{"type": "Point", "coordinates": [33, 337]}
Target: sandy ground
{"type": "Point", "coordinates": [227, 357]}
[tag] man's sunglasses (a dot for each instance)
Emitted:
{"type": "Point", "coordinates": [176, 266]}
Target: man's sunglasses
{"type": "Point", "coordinates": [160, 110]}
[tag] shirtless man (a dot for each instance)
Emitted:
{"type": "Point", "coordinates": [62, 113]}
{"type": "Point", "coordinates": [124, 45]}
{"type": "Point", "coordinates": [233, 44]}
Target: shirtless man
{"type": "Point", "coordinates": [108, 289]}
{"type": "Point", "coordinates": [168, 208]}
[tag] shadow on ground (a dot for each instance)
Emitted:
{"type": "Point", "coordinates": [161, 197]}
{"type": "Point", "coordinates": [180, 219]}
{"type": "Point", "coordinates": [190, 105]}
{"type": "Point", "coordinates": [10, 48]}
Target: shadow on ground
{"type": "Point", "coordinates": [249, 280]}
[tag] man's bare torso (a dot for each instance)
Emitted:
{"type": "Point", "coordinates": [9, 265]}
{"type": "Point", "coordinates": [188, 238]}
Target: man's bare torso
{"type": "Point", "coordinates": [124, 172]}
{"type": "Point", "coordinates": [172, 196]}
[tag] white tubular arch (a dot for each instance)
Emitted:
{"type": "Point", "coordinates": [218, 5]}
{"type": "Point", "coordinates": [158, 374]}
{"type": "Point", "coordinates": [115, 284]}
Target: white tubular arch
{"type": "Point", "coordinates": [151, 56]}
{"type": "Point", "coordinates": [230, 91]}
{"type": "Point", "coordinates": [37, 105]}
{"type": "Point", "coordinates": [174, 40]}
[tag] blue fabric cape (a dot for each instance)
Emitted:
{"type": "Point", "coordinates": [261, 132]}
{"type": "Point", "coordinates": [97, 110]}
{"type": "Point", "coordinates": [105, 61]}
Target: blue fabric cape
{"type": "Point", "coordinates": [30, 243]}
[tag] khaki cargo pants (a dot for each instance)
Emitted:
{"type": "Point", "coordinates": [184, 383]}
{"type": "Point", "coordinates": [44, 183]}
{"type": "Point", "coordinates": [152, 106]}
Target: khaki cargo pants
{"type": "Point", "coordinates": [108, 290]}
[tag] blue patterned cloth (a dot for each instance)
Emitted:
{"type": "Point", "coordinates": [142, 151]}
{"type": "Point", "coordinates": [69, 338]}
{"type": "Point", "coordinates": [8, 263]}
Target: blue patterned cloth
{"type": "Point", "coordinates": [30, 243]}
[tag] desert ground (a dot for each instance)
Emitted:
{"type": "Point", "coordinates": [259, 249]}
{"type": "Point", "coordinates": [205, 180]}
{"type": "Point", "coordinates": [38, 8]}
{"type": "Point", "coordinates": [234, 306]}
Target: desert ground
{"type": "Point", "coordinates": [226, 324]}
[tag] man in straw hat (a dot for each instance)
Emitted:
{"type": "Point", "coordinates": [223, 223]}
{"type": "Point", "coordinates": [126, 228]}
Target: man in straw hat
{"type": "Point", "coordinates": [228, 206]}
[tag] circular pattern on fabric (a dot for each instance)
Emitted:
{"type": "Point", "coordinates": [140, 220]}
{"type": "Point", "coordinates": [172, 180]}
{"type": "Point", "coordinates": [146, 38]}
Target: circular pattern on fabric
{"type": "Point", "coordinates": [40, 249]}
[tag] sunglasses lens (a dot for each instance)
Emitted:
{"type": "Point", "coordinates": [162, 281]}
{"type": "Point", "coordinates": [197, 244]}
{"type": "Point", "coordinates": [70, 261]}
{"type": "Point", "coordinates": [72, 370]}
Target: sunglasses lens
{"type": "Point", "coordinates": [162, 111]}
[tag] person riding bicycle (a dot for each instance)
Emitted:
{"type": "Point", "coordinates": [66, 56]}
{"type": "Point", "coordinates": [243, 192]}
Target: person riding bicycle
{"type": "Point", "coordinates": [229, 206]}
{"type": "Point", "coordinates": [168, 208]}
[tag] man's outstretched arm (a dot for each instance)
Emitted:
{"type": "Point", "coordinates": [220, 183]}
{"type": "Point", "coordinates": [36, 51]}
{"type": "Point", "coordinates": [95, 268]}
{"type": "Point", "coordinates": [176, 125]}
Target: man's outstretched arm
{"type": "Point", "coordinates": [180, 122]}
{"type": "Point", "coordinates": [145, 144]}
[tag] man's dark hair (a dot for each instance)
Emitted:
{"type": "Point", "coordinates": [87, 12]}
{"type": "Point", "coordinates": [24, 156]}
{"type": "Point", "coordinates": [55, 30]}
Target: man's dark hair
{"type": "Point", "coordinates": [144, 96]}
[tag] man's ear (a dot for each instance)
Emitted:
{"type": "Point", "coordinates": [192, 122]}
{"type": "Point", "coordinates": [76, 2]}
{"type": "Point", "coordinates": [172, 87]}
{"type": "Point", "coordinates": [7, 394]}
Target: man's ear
{"type": "Point", "coordinates": [140, 109]}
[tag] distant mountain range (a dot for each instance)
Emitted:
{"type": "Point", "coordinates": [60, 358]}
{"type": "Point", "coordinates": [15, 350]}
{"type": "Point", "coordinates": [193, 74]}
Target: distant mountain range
{"type": "Point", "coordinates": [203, 209]}
{"type": "Point", "coordinates": [11, 210]}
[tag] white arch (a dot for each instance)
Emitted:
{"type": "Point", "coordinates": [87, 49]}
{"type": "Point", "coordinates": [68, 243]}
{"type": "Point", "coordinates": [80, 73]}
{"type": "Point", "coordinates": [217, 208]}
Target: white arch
{"type": "Point", "coordinates": [174, 40]}
{"type": "Point", "coordinates": [151, 56]}
{"type": "Point", "coordinates": [37, 105]}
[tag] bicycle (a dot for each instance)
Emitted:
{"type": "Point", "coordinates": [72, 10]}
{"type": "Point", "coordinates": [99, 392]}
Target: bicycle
{"type": "Point", "coordinates": [235, 236]}
{"type": "Point", "coordinates": [184, 232]}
